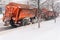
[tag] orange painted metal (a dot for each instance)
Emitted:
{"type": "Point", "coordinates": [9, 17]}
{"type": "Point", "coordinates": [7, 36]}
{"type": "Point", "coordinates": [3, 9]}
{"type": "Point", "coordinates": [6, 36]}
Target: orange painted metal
{"type": "Point", "coordinates": [18, 11]}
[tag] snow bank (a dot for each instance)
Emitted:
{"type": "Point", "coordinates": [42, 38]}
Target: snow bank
{"type": "Point", "coordinates": [48, 31]}
{"type": "Point", "coordinates": [1, 15]}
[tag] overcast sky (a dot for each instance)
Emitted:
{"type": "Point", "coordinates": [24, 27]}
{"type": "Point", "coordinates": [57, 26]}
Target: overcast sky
{"type": "Point", "coordinates": [23, 1]}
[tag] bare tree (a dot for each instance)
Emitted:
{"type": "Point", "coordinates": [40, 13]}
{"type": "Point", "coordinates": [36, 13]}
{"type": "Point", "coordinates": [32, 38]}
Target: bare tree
{"type": "Point", "coordinates": [39, 12]}
{"type": "Point", "coordinates": [57, 7]}
{"type": "Point", "coordinates": [36, 3]}
{"type": "Point", "coordinates": [51, 7]}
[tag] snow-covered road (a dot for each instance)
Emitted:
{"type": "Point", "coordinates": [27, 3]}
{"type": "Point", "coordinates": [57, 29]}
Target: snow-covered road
{"type": "Point", "coordinates": [48, 31]}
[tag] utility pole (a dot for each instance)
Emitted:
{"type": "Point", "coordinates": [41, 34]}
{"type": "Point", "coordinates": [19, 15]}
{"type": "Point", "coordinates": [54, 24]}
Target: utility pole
{"type": "Point", "coordinates": [38, 16]}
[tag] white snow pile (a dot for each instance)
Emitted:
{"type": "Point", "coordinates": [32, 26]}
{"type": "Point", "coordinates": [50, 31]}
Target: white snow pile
{"type": "Point", "coordinates": [1, 15]}
{"type": "Point", "coordinates": [1, 21]}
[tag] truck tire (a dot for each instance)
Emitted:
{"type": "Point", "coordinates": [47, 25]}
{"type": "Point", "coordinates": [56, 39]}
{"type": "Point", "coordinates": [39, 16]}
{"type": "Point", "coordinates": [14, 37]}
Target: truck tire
{"type": "Point", "coordinates": [24, 22]}
{"type": "Point", "coordinates": [33, 20]}
{"type": "Point", "coordinates": [12, 24]}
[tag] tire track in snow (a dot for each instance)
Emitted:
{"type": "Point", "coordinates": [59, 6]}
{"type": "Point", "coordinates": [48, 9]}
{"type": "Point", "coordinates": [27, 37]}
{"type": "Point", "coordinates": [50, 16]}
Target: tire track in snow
{"type": "Point", "coordinates": [5, 28]}
{"type": "Point", "coordinates": [2, 27]}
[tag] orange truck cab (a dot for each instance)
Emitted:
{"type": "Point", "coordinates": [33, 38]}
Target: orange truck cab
{"type": "Point", "coordinates": [16, 13]}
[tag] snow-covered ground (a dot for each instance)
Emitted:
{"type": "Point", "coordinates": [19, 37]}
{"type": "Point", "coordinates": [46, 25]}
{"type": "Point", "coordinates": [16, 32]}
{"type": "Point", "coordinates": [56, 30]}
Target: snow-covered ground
{"type": "Point", "coordinates": [1, 23]}
{"type": "Point", "coordinates": [48, 31]}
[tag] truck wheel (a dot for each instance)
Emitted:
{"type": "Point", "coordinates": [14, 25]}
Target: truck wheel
{"type": "Point", "coordinates": [12, 23]}
{"type": "Point", "coordinates": [33, 20]}
{"type": "Point", "coordinates": [47, 18]}
{"type": "Point", "coordinates": [24, 22]}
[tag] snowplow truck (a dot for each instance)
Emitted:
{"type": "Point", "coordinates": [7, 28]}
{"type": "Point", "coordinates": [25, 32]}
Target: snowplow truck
{"type": "Point", "coordinates": [18, 14]}
{"type": "Point", "coordinates": [22, 14]}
